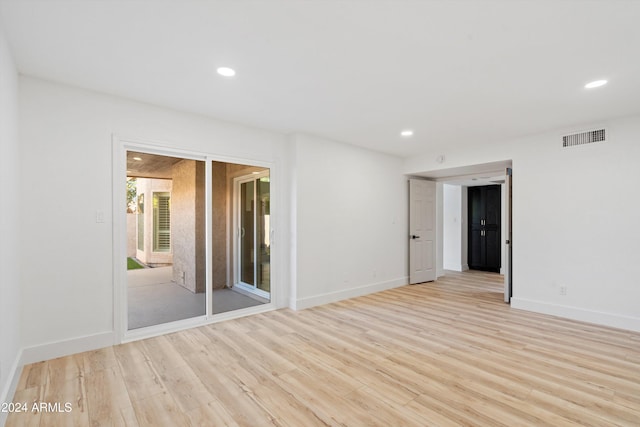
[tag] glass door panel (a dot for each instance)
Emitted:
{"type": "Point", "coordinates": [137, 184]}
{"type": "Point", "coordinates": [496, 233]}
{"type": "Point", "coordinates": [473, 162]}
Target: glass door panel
{"type": "Point", "coordinates": [253, 216]}
{"type": "Point", "coordinates": [241, 246]}
{"type": "Point", "coordinates": [247, 240]}
{"type": "Point", "coordinates": [166, 239]}
{"type": "Point", "coordinates": [263, 237]}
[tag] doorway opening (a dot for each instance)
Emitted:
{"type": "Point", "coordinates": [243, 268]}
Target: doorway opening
{"type": "Point", "coordinates": [252, 218]}
{"type": "Point", "coordinates": [241, 236]}
{"type": "Point", "coordinates": [455, 225]}
{"type": "Point", "coordinates": [484, 230]}
{"type": "Point", "coordinates": [165, 239]}
{"type": "Point", "coordinates": [188, 254]}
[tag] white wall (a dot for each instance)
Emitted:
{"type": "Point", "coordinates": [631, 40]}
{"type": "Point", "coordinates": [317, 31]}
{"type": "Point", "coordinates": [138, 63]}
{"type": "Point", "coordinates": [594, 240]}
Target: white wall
{"type": "Point", "coordinates": [574, 221]}
{"type": "Point", "coordinates": [452, 227]}
{"type": "Point", "coordinates": [342, 210]}
{"type": "Point", "coordinates": [10, 295]}
{"type": "Point", "coordinates": [66, 177]}
{"type": "Point", "coordinates": [351, 221]}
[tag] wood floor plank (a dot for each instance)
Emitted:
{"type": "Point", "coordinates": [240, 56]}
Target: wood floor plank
{"type": "Point", "coordinates": [72, 392]}
{"type": "Point", "coordinates": [211, 414]}
{"type": "Point", "coordinates": [27, 396]}
{"type": "Point", "coordinates": [445, 353]}
{"type": "Point", "coordinates": [159, 410]}
{"type": "Point", "coordinates": [33, 375]}
{"type": "Point", "coordinates": [108, 401]}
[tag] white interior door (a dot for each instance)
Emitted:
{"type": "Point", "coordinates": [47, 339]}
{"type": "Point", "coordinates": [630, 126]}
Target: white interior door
{"type": "Point", "coordinates": [422, 231]}
{"type": "Point", "coordinates": [508, 281]}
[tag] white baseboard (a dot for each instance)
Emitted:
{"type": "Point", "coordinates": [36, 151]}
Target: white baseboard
{"type": "Point", "coordinates": [457, 267]}
{"type": "Point", "coordinates": [65, 348]}
{"type": "Point", "coordinates": [9, 389]}
{"type": "Point", "coordinates": [307, 302]}
{"type": "Point", "coordinates": [575, 313]}
{"type": "Point", "coordinates": [49, 351]}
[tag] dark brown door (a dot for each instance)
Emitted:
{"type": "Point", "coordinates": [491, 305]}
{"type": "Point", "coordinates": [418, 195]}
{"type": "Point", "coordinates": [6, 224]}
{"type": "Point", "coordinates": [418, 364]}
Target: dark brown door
{"type": "Point", "coordinates": [484, 227]}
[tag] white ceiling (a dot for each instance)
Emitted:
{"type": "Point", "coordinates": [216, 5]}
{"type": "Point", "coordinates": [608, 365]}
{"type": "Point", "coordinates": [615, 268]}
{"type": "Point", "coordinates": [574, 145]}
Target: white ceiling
{"type": "Point", "coordinates": [457, 72]}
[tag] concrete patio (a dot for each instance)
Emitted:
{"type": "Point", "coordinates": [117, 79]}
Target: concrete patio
{"type": "Point", "coordinates": [154, 299]}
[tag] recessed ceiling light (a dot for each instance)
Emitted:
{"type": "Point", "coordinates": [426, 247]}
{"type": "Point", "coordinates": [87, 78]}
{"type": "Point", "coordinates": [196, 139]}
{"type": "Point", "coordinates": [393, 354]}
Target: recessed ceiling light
{"type": "Point", "coordinates": [226, 71]}
{"type": "Point", "coordinates": [407, 133]}
{"type": "Point", "coordinates": [139, 159]}
{"type": "Point", "coordinates": [595, 83]}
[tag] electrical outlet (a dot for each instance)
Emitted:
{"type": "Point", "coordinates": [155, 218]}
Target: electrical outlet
{"type": "Point", "coordinates": [563, 290]}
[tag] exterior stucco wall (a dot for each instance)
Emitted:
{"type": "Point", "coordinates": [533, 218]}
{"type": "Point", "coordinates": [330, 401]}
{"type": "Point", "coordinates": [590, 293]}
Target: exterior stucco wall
{"type": "Point", "coordinates": [221, 225]}
{"type": "Point", "coordinates": [187, 225]}
{"type": "Point", "coordinates": [132, 238]}
{"type": "Point", "coordinates": [148, 186]}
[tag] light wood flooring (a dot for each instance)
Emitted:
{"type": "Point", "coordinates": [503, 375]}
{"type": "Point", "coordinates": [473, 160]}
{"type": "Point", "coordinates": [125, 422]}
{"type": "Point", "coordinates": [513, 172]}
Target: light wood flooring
{"type": "Point", "coordinates": [435, 354]}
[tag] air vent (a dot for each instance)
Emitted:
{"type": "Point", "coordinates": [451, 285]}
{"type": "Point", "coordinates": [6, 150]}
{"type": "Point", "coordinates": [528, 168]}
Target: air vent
{"type": "Point", "coordinates": [582, 138]}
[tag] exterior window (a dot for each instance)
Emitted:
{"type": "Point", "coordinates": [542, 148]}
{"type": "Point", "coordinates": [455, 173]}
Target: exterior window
{"type": "Point", "coordinates": [140, 213]}
{"type": "Point", "coordinates": [161, 222]}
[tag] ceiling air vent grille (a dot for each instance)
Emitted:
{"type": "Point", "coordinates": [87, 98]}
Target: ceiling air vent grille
{"type": "Point", "coordinates": [582, 138]}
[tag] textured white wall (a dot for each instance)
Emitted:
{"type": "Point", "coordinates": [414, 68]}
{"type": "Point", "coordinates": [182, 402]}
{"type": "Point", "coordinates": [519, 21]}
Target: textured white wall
{"type": "Point", "coordinates": [132, 236]}
{"type": "Point", "coordinates": [10, 294]}
{"type": "Point", "coordinates": [574, 222]}
{"type": "Point", "coordinates": [351, 222]}
{"type": "Point", "coordinates": [452, 227]}
{"type": "Point", "coordinates": [148, 186]}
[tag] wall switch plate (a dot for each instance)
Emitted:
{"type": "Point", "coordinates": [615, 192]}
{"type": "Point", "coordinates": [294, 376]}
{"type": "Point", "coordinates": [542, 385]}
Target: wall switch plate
{"type": "Point", "coordinates": [99, 216]}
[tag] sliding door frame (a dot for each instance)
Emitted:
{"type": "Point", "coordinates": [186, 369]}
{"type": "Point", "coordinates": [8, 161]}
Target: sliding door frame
{"type": "Point", "coordinates": [237, 252]}
{"type": "Point", "coordinates": [120, 146]}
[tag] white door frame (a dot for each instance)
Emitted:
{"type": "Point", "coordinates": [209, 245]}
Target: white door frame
{"type": "Point", "coordinates": [474, 171]}
{"type": "Point", "coordinates": [508, 270]}
{"type": "Point", "coordinates": [237, 254]}
{"type": "Point", "coordinates": [120, 146]}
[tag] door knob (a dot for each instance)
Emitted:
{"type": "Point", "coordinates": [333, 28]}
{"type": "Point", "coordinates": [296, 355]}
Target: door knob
{"type": "Point", "coordinates": [413, 236]}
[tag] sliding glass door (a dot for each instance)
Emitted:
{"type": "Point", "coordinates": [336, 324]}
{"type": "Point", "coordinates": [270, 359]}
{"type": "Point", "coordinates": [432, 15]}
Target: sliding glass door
{"type": "Point", "coordinates": [166, 239]}
{"type": "Point", "coordinates": [198, 238]}
{"type": "Point", "coordinates": [252, 201]}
